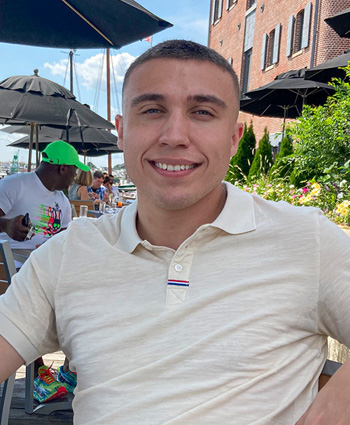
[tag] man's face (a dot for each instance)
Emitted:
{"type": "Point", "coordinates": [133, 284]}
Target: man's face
{"type": "Point", "coordinates": [179, 130]}
{"type": "Point", "coordinates": [97, 182]}
{"type": "Point", "coordinates": [68, 172]}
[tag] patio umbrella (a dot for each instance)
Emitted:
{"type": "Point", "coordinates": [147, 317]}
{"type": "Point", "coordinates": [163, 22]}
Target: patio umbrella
{"type": "Point", "coordinates": [76, 23]}
{"type": "Point", "coordinates": [36, 100]}
{"type": "Point", "coordinates": [88, 149]}
{"type": "Point", "coordinates": [340, 22]}
{"type": "Point", "coordinates": [94, 136]}
{"type": "Point", "coordinates": [285, 96]}
{"type": "Point", "coordinates": [29, 99]}
{"type": "Point", "coordinates": [326, 70]}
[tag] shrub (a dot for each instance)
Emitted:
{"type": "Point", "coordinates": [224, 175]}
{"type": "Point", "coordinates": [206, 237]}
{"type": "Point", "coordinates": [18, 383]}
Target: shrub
{"type": "Point", "coordinates": [262, 161]}
{"type": "Point", "coordinates": [240, 163]}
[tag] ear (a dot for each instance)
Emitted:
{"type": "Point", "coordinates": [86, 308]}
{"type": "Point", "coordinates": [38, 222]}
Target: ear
{"type": "Point", "coordinates": [120, 130]}
{"type": "Point", "coordinates": [236, 138]}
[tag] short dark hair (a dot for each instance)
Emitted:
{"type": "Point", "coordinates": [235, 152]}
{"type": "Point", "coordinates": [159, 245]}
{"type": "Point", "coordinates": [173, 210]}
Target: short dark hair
{"type": "Point", "coordinates": [98, 175]}
{"type": "Point", "coordinates": [184, 50]}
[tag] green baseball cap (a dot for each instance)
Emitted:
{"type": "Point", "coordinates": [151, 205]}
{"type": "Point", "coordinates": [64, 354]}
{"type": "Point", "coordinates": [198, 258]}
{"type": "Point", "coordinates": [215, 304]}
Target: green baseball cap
{"type": "Point", "coordinates": [62, 153]}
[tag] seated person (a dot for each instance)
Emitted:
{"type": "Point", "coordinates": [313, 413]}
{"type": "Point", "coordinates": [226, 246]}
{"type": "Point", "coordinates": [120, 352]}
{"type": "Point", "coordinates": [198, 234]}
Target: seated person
{"type": "Point", "coordinates": [78, 190]}
{"type": "Point", "coordinates": [107, 184]}
{"type": "Point", "coordinates": [39, 193]}
{"type": "Point", "coordinates": [96, 190]}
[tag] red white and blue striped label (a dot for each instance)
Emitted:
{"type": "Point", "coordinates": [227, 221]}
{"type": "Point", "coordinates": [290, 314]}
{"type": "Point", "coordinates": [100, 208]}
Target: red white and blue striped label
{"type": "Point", "coordinates": [183, 283]}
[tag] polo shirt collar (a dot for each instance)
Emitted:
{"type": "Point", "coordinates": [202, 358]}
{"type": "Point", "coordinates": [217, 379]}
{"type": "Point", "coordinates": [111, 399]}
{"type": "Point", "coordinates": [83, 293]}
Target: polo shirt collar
{"type": "Point", "coordinates": [237, 217]}
{"type": "Point", "coordinates": [129, 238]}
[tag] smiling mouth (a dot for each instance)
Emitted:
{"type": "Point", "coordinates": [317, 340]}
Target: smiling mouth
{"type": "Point", "coordinates": [171, 167]}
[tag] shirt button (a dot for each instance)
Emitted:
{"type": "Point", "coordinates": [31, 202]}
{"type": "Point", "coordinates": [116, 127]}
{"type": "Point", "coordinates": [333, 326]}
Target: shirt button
{"type": "Point", "coordinates": [178, 267]}
{"type": "Point", "coordinates": [169, 254]}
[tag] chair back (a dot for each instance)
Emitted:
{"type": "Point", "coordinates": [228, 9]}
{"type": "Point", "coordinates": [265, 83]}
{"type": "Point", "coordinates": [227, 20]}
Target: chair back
{"type": "Point", "coordinates": [7, 265]}
{"type": "Point", "coordinates": [77, 204]}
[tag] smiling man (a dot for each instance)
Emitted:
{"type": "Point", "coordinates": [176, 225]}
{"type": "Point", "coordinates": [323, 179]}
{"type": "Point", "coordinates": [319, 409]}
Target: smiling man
{"type": "Point", "coordinates": [212, 305]}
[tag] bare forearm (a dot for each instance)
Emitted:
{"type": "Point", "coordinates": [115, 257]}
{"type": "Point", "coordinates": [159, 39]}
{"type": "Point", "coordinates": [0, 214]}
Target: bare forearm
{"type": "Point", "coordinates": [10, 359]}
{"type": "Point", "coordinates": [331, 406]}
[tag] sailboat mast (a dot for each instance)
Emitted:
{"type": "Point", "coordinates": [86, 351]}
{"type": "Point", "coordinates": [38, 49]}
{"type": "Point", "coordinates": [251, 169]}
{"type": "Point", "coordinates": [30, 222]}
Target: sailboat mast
{"type": "Point", "coordinates": [71, 69]}
{"type": "Point", "coordinates": [109, 104]}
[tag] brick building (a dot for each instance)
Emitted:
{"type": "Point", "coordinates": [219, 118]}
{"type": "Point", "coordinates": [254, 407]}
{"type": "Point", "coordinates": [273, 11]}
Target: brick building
{"type": "Point", "coordinates": [263, 38]}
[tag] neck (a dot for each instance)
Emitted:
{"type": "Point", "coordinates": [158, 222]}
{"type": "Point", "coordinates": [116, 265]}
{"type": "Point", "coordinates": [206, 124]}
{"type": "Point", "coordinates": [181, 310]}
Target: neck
{"type": "Point", "coordinates": [171, 228]}
{"type": "Point", "coordinates": [45, 178]}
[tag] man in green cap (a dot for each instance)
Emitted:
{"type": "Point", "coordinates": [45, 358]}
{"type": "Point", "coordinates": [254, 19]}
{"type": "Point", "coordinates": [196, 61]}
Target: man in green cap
{"type": "Point", "coordinates": [39, 194]}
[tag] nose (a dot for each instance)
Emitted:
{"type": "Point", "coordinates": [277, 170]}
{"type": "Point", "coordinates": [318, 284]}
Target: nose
{"type": "Point", "coordinates": [175, 131]}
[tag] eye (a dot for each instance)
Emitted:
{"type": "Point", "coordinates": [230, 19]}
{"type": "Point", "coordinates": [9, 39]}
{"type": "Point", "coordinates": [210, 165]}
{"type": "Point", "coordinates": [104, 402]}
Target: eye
{"type": "Point", "coordinates": [203, 112]}
{"type": "Point", "coordinates": [151, 111]}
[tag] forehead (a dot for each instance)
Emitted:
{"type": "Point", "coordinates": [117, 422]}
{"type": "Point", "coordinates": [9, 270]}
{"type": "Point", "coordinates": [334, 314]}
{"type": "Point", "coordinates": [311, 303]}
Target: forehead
{"type": "Point", "coordinates": [178, 76]}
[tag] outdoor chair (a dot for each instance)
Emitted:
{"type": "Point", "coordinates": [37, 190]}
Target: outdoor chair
{"type": "Point", "coordinates": [7, 270]}
{"type": "Point", "coordinates": [76, 205]}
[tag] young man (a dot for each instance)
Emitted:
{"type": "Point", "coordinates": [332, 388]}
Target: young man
{"type": "Point", "coordinates": [202, 304]}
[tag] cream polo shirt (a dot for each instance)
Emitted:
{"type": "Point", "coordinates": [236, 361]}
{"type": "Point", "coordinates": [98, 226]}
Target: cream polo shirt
{"type": "Point", "coordinates": [229, 329]}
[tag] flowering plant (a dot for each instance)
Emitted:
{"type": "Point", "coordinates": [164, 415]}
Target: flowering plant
{"type": "Point", "coordinates": [332, 198]}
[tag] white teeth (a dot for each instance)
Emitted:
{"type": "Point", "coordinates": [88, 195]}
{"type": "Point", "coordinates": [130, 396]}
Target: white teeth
{"type": "Point", "coordinates": [170, 167]}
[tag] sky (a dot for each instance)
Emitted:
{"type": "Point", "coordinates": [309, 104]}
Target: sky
{"type": "Point", "coordinates": [190, 19]}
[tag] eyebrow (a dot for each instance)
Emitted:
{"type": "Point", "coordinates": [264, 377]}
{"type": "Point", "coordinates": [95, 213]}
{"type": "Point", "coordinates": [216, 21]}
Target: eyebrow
{"type": "Point", "coordinates": [200, 98]}
{"type": "Point", "coordinates": [207, 98]}
{"type": "Point", "coordinates": [147, 97]}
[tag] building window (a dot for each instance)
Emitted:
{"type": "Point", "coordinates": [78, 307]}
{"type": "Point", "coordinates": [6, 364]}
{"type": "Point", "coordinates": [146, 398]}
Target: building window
{"type": "Point", "coordinates": [230, 3]}
{"type": "Point", "coordinates": [270, 47]}
{"type": "Point", "coordinates": [250, 3]}
{"type": "Point", "coordinates": [246, 66]}
{"type": "Point", "coordinates": [216, 11]}
{"type": "Point", "coordinates": [299, 30]}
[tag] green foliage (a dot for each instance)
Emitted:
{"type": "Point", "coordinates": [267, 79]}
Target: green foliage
{"type": "Point", "coordinates": [262, 161]}
{"type": "Point", "coordinates": [322, 137]}
{"type": "Point", "coordinates": [332, 199]}
{"type": "Point", "coordinates": [240, 163]}
{"type": "Point", "coordinates": [284, 162]}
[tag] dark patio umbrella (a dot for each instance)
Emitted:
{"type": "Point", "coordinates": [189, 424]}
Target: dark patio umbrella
{"type": "Point", "coordinates": [35, 100]}
{"type": "Point", "coordinates": [340, 22]}
{"type": "Point", "coordinates": [93, 136]}
{"type": "Point", "coordinates": [285, 96]}
{"type": "Point", "coordinates": [26, 99]}
{"type": "Point", "coordinates": [326, 70]}
{"type": "Point", "coordinates": [88, 149]}
{"type": "Point", "coordinates": [76, 23]}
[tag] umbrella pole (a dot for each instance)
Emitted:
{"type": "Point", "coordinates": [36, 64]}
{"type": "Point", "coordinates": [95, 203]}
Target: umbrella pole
{"type": "Point", "coordinates": [30, 147]}
{"type": "Point", "coordinates": [37, 144]}
{"type": "Point", "coordinates": [284, 121]}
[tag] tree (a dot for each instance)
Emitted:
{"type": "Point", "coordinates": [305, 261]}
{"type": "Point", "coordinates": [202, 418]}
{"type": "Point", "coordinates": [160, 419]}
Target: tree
{"type": "Point", "coordinates": [262, 161]}
{"type": "Point", "coordinates": [240, 163]}
{"type": "Point", "coordinates": [322, 137]}
{"type": "Point", "coordinates": [283, 163]}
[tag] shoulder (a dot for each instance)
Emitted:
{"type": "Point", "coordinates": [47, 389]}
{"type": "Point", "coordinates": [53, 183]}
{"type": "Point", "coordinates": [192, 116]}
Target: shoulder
{"type": "Point", "coordinates": [96, 232]}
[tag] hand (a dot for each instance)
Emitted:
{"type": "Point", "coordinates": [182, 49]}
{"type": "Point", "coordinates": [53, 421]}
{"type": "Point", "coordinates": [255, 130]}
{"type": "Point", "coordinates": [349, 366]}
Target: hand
{"type": "Point", "coordinates": [93, 195]}
{"type": "Point", "coordinates": [332, 404]}
{"type": "Point", "coordinates": [15, 229]}
{"type": "Point", "coordinates": [106, 197]}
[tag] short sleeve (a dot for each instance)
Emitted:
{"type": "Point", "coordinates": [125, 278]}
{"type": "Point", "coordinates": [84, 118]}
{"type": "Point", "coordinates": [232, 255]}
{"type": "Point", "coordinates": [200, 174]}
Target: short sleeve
{"type": "Point", "coordinates": [334, 289]}
{"type": "Point", "coordinates": [66, 212]}
{"type": "Point", "coordinates": [7, 194]}
{"type": "Point", "coordinates": [27, 317]}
